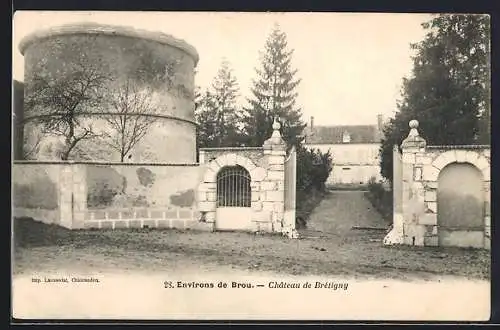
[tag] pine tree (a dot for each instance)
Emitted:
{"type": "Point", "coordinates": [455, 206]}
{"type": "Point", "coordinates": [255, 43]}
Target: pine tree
{"type": "Point", "coordinates": [274, 95]}
{"type": "Point", "coordinates": [217, 113]}
{"type": "Point", "coordinates": [449, 91]}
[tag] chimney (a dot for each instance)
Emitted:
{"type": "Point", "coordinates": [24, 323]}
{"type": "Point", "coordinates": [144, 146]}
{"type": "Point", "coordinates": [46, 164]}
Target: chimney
{"type": "Point", "coordinates": [312, 122]}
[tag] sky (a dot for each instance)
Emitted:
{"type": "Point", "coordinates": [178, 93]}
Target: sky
{"type": "Point", "coordinates": [351, 65]}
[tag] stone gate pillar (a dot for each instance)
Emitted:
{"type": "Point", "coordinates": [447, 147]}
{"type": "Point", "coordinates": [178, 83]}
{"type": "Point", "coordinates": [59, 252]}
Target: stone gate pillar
{"type": "Point", "coordinates": [413, 147]}
{"type": "Point", "coordinates": [409, 191]}
{"type": "Point", "coordinates": [79, 195]}
{"type": "Point", "coordinates": [72, 195]}
{"type": "Point", "coordinates": [273, 186]}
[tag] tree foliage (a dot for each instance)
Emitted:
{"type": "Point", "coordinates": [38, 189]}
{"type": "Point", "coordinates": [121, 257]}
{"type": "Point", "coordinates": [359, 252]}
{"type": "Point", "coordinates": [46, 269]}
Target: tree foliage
{"type": "Point", "coordinates": [217, 113]}
{"type": "Point", "coordinates": [449, 91]}
{"type": "Point", "coordinates": [313, 169]}
{"type": "Point", "coordinates": [274, 95]}
{"type": "Point", "coordinates": [222, 123]}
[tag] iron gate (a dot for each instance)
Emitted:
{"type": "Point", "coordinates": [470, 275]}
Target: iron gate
{"type": "Point", "coordinates": [233, 187]}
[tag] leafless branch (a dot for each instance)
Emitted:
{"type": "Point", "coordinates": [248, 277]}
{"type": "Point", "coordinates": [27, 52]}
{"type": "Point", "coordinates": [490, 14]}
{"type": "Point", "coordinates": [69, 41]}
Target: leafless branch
{"type": "Point", "coordinates": [131, 105]}
{"type": "Point", "coordinates": [64, 99]}
{"type": "Point", "coordinates": [32, 149]}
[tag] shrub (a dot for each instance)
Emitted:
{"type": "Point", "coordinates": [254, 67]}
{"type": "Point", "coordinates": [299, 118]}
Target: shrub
{"type": "Point", "coordinates": [313, 169]}
{"type": "Point", "coordinates": [380, 197]}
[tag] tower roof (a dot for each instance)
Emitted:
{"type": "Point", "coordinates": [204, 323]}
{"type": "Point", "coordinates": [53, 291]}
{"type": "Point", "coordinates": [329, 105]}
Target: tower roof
{"type": "Point", "coordinates": [110, 30]}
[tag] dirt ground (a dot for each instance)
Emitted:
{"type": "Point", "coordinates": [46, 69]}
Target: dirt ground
{"type": "Point", "coordinates": [328, 247]}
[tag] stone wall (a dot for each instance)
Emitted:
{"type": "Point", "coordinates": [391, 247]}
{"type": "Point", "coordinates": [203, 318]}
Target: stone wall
{"type": "Point", "coordinates": [140, 195]}
{"type": "Point", "coordinates": [153, 62]}
{"type": "Point", "coordinates": [422, 184]}
{"type": "Point", "coordinates": [267, 171]}
{"type": "Point", "coordinates": [50, 192]}
{"type": "Point", "coordinates": [115, 195]}
{"type": "Point", "coordinates": [141, 185]}
{"type": "Point", "coordinates": [36, 191]}
{"type": "Point", "coordinates": [124, 195]}
{"type": "Point", "coordinates": [152, 217]}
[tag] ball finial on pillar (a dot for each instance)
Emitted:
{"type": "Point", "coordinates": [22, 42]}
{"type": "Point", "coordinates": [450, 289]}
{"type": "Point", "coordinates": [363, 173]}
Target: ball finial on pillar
{"type": "Point", "coordinates": [414, 140]}
{"type": "Point", "coordinates": [275, 139]}
{"type": "Point", "coordinates": [276, 124]}
{"type": "Point", "coordinates": [413, 123]}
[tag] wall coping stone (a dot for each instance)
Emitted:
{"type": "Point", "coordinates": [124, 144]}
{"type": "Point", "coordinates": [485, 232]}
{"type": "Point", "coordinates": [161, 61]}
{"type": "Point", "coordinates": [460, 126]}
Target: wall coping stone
{"type": "Point", "coordinates": [231, 149]}
{"type": "Point", "coordinates": [71, 162]}
{"type": "Point", "coordinates": [310, 145]}
{"type": "Point", "coordinates": [451, 147]}
{"type": "Point", "coordinates": [140, 208]}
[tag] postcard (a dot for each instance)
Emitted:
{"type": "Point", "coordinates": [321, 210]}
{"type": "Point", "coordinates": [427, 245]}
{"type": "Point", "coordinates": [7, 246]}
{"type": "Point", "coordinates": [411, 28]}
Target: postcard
{"type": "Point", "coordinates": [251, 166]}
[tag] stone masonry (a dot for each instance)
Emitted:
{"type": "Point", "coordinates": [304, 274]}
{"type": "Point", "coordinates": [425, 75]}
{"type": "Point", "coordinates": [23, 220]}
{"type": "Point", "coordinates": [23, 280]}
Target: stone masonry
{"type": "Point", "coordinates": [416, 174]}
{"type": "Point", "coordinates": [267, 174]}
{"type": "Point", "coordinates": [155, 62]}
{"type": "Point", "coordinates": [177, 196]}
{"type": "Point", "coordinates": [158, 184]}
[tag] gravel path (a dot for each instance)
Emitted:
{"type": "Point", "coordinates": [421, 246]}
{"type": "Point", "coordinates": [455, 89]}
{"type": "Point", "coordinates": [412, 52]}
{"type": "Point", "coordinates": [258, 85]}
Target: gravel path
{"type": "Point", "coordinates": [339, 212]}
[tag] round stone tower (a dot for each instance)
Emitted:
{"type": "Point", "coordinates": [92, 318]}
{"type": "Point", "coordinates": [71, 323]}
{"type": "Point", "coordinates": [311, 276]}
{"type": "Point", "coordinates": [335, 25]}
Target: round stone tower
{"type": "Point", "coordinates": [130, 94]}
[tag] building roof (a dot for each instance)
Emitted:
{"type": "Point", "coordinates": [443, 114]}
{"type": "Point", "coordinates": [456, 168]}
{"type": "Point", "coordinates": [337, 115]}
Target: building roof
{"type": "Point", "coordinates": [334, 134]}
{"type": "Point", "coordinates": [106, 29]}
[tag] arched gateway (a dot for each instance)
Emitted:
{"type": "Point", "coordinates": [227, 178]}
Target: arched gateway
{"type": "Point", "coordinates": [441, 194]}
{"type": "Point", "coordinates": [234, 197]}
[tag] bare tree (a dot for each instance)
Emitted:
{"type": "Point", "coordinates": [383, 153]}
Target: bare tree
{"type": "Point", "coordinates": [60, 102]}
{"type": "Point", "coordinates": [132, 113]}
{"type": "Point", "coordinates": [31, 145]}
